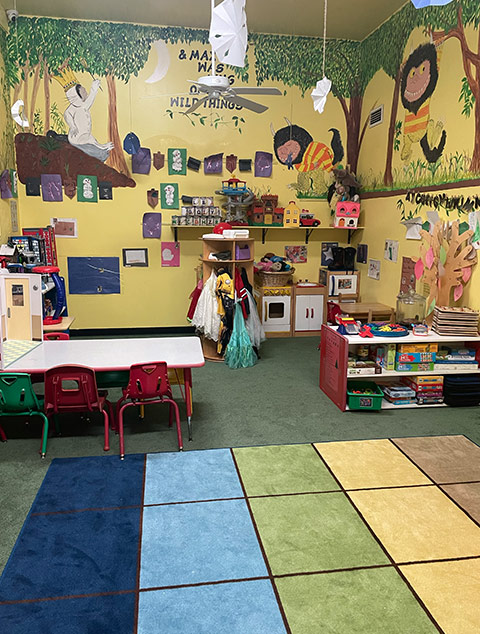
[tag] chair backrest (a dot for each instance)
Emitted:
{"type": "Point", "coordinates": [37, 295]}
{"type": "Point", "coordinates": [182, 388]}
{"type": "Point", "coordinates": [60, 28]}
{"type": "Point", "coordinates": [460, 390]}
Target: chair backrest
{"type": "Point", "coordinates": [148, 380]}
{"type": "Point", "coordinates": [56, 336]}
{"type": "Point", "coordinates": [16, 393]}
{"type": "Point", "coordinates": [70, 388]}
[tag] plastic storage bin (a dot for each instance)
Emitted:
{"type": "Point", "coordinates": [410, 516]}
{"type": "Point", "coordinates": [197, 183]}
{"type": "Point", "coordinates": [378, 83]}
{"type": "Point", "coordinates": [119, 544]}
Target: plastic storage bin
{"type": "Point", "coordinates": [242, 252]}
{"type": "Point", "coordinates": [364, 401]}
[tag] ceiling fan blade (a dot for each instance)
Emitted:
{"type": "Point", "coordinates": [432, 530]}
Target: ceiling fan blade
{"type": "Point", "coordinates": [196, 105]}
{"type": "Point", "coordinates": [255, 90]}
{"type": "Point", "coordinates": [246, 103]}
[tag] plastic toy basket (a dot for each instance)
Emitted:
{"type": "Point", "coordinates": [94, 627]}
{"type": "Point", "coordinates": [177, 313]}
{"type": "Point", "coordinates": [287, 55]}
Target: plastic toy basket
{"type": "Point", "coordinates": [364, 401]}
{"type": "Point", "coordinates": [276, 278]}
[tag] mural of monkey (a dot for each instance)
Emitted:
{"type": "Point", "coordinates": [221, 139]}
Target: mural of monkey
{"type": "Point", "coordinates": [419, 79]}
{"type": "Point", "coordinates": [294, 146]}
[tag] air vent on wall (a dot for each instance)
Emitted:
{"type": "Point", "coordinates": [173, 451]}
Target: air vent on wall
{"type": "Point", "coordinates": [376, 116]}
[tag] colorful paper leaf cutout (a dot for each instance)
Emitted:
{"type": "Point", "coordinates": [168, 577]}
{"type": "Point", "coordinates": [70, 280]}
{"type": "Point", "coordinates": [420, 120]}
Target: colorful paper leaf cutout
{"type": "Point", "coordinates": [462, 227]}
{"type": "Point", "coordinates": [457, 292]}
{"type": "Point", "coordinates": [429, 258]}
{"type": "Point", "coordinates": [476, 233]}
{"type": "Point", "coordinates": [466, 273]}
{"type": "Point", "coordinates": [419, 268]}
{"type": "Point", "coordinates": [432, 306]}
{"type": "Point", "coordinates": [441, 270]}
{"type": "Point", "coordinates": [443, 255]}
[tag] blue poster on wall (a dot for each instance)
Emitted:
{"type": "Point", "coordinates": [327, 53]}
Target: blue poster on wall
{"type": "Point", "coordinates": [93, 276]}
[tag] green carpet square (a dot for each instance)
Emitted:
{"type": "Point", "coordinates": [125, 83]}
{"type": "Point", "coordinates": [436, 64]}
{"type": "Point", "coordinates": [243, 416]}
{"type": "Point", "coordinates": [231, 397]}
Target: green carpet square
{"type": "Point", "coordinates": [283, 469]}
{"type": "Point", "coordinates": [376, 601]}
{"type": "Point", "coordinates": [306, 533]}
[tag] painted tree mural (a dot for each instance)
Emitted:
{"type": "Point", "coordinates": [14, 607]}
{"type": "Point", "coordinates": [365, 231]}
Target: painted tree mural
{"type": "Point", "coordinates": [39, 47]}
{"type": "Point", "coordinates": [385, 49]}
{"type": "Point", "coordinates": [297, 61]}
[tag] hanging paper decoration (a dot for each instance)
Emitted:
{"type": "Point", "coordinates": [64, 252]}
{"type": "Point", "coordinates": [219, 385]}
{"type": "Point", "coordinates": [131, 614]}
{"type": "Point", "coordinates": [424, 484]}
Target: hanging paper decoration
{"type": "Point", "coordinates": [158, 160]}
{"type": "Point", "coordinates": [52, 188]}
{"type": "Point", "coordinates": [152, 198]}
{"type": "Point", "coordinates": [441, 270]}
{"type": "Point", "coordinates": [86, 188]}
{"type": "Point", "coordinates": [213, 164]}
{"type": "Point", "coordinates": [193, 164]}
{"type": "Point", "coordinates": [142, 161]}
{"type": "Point", "coordinates": [263, 164]}
{"type": "Point", "coordinates": [429, 258]}
{"type": "Point", "coordinates": [457, 292]}
{"type": "Point", "coordinates": [177, 161]}
{"type": "Point", "coordinates": [421, 4]}
{"type": "Point", "coordinates": [152, 225]}
{"type": "Point", "coordinates": [228, 32]}
{"type": "Point", "coordinates": [131, 143]}
{"type": "Point", "coordinates": [231, 163]}
{"type": "Point", "coordinates": [105, 190]}
{"type": "Point", "coordinates": [18, 114]}
{"type": "Point", "coordinates": [32, 186]}
{"type": "Point", "coordinates": [319, 94]}
{"type": "Point", "coordinates": [476, 233]}
{"type": "Point", "coordinates": [245, 165]}
{"type": "Point", "coordinates": [5, 184]}
{"type": "Point", "coordinates": [466, 273]}
{"type": "Point", "coordinates": [442, 255]}
{"type": "Point", "coordinates": [419, 268]}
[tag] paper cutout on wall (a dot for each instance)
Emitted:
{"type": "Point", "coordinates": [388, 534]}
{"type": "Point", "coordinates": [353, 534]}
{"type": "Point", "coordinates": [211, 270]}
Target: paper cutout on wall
{"type": "Point", "coordinates": [296, 254]}
{"type": "Point", "coordinates": [18, 113]}
{"type": "Point", "coordinates": [466, 273]}
{"type": "Point", "coordinates": [457, 292]}
{"type": "Point", "coordinates": [193, 164]}
{"type": "Point", "coordinates": [169, 195]}
{"type": "Point", "coordinates": [51, 187]}
{"type": "Point", "coordinates": [32, 186]}
{"type": "Point", "coordinates": [163, 62]}
{"type": "Point", "coordinates": [152, 225]}
{"type": "Point", "coordinates": [433, 218]}
{"type": "Point", "coordinates": [245, 165]}
{"type": "Point", "coordinates": [177, 161]}
{"type": "Point", "coordinates": [407, 277]}
{"type": "Point", "coordinates": [14, 183]}
{"type": "Point", "coordinates": [131, 143]}
{"type": "Point", "coordinates": [213, 164]}
{"type": "Point", "coordinates": [170, 253]}
{"type": "Point", "coordinates": [474, 225]}
{"type": "Point", "coordinates": [374, 269]}
{"type": "Point", "coordinates": [442, 255]}
{"type": "Point", "coordinates": [135, 257]}
{"type": "Point", "coordinates": [231, 163]}
{"type": "Point", "coordinates": [391, 250]}
{"type": "Point", "coordinates": [362, 253]}
{"type": "Point", "coordinates": [228, 32]}
{"type": "Point", "coordinates": [142, 161]}
{"type": "Point", "coordinates": [263, 164]}
{"type": "Point", "coordinates": [105, 190]}
{"type": "Point", "coordinates": [413, 226]}
{"type": "Point", "coordinates": [429, 258]}
{"type": "Point", "coordinates": [5, 185]}
{"type": "Point", "coordinates": [158, 160]}
{"type": "Point", "coordinates": [152, 197]}
{"type": "Point", "coordinates": [419, 268]}
{"type": "Point", "coordinates": [319, 94]}
{"type": "Point", "coordinates": [64, 227]}
{"type": "Point", "coordinates": [93, 276]}
{"type": "Point", "coordinates": [86, 189]}
{"type": "Point", "coordinates": [70, 188]}
{"type": "Point", "coordinates": [14, 215]}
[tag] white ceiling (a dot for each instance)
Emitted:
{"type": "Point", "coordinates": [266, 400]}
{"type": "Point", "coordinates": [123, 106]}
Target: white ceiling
{"type": "Point", "coordinates": [347, 19]}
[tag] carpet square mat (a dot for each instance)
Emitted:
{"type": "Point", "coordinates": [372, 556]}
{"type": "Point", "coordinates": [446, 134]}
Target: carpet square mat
{"type": "Point", "coordinates": [347, 537]}
{"type": "Point", "coordinates": [14, 349]}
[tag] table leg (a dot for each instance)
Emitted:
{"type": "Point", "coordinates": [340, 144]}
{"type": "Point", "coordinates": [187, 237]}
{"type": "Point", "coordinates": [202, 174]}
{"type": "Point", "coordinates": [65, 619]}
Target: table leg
{"type": "Point", "coordinates": [187, 377]}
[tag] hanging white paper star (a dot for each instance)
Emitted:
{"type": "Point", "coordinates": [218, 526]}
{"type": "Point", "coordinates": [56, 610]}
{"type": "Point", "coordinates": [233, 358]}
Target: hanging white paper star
{"type": "Point", "coordinates": [319, 94]}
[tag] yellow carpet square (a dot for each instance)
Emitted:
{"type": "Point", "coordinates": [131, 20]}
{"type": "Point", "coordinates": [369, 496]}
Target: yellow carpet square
{"type": "Point", "coordinates": [418, 523]}
{"type": "Point", "coordinates": [451, 592]}
{"type": "Point", "coordinates": [370, 464]}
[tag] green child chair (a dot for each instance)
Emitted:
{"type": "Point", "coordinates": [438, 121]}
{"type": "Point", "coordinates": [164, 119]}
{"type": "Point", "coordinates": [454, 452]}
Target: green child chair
{"type": "Point", "coordinates": [17, 398]}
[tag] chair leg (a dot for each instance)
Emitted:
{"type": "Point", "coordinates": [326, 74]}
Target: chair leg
{"type": "Point", "coordinates": [56, 422]}
{"type": "Point", "coordinates": [106, 444]}
{"type": "Point", "coordinates": [170, 415]}
{"type": "Point", "coordinates": [179, 428]}
{"type": "Point", "coordinates": [117, 413]}
{"type": "Point", "coordinates": [43, 450]}
{"type": "Point", "coordinates": [112, 417]}
{"type": "Point", "coordinates": [142, 411]}
{"type": "Point", "coordinates": [3, 436]}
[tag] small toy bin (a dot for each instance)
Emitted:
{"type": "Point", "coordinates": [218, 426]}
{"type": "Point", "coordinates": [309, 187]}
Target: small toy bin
{"type": "Point", "coordinates": [371, 401]}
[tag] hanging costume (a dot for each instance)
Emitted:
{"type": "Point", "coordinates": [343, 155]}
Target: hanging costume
{"type": "Point", "coordinates": [225, 307]}
{"type": "Point", "coordinates": [194, 296]}
{"type": "Point", "coordinates": [206, 318]}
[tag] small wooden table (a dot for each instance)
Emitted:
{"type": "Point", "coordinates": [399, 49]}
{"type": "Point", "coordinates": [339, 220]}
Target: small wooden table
{"type": "Point", "coordinates": [65, 324]}
{"type": "Point", "coordinates": [367, 310]}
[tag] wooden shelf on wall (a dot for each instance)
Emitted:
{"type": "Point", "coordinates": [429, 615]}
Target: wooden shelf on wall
{"type": "Point", "coordinates": [266, 228]}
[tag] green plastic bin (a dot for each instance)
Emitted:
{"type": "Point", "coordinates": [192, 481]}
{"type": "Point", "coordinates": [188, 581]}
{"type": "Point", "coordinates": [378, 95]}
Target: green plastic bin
{"type": "Point", "coordinates": [364, 401]}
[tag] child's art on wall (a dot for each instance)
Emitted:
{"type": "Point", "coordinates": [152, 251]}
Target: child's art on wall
{"type": "Point", "coordinates": [51, 187]}
{"type": "Point", "coordinates": [158, 160]}
{"type": "Point", "coordinates": [362, 253]}
{"type": "Point", "coordinates": [170, 254]}
{"type": "Point", "coordinates": [213, 164]}
{"type": "Point", "coordinates": [152, 225]}
{"type": "Point", "coordinates": [32, 186]}
{"type": "Point", "coordinates": [407, 278]}
{"type": "Point", "coordinates": [142, 161]}
{"type": "Point", "coordinates": [169, 195]}
{"type": "Point", "coordinates": [105, 190]}
{"type": "Point", "coordinates": [86, 189]}
{"type": "Point", "coordinates": [296, 254]}
{"type": "Point", "coordinates": [135, 257]}
{"type": "Point", "coordinates": [93, 276]}
{"type": "Point", "coordinates": [263, 164]}
{"type": "Point", "coordinates": [14, 215]}
{"type": "Point", "coordinates": [177, 161]}
{"type": "Point", "coordinates": [64, 227]}
{"type": "Point", "coordinates": [152, 197]}
{"type": "Point", "coordinates": [374, 269]}
{"type": "Point", "coordinates": [391, 250]}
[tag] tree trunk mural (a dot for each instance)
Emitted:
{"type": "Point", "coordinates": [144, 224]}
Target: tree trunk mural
{"type": "Point", "coordinates": [388, 176]}
{"type": "Point", "coordinates": [46, 92]}
{"type": "Point", "coordinates": [352, 112]}
{"type": "Point", "coordinates": [116, 158]}
{"type": "Point", "coordinates": [36, 86]}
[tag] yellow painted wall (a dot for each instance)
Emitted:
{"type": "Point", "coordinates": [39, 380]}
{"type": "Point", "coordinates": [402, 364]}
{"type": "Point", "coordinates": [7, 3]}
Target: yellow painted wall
{"type": "Point", "coordinates": [157, 296]}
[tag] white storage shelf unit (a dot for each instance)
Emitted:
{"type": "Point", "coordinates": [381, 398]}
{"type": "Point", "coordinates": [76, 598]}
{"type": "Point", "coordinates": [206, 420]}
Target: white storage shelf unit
{"type": "Point", "coordinates": [334, 362]}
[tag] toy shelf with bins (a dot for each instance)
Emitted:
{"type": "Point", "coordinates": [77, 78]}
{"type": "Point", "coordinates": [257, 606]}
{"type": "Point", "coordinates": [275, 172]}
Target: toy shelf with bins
{"type": "Point", "coordinates": [216, 245]}
{"type": "Point", "coordinates": [334, 374]}
{"type": "Point", "coordinates": [266, 228]}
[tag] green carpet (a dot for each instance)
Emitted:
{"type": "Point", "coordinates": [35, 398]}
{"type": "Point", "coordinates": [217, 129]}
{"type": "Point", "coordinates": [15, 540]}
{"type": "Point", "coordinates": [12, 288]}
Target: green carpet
{"type": "Point", "coordinates": [278, 401]}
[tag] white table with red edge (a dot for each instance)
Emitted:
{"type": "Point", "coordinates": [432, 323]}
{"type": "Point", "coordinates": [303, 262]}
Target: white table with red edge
{"type": "Point", "coordinates": [113, 355]}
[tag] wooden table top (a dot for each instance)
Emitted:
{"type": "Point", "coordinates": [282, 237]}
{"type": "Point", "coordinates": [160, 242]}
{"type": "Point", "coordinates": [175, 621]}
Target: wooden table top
{"type": "Point", "coordinates": [356, 308]}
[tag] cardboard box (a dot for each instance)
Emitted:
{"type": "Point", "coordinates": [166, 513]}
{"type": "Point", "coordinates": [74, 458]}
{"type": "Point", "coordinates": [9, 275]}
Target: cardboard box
{"type": "Point", "coordinates": [415, 357]}
{"type": "Point", "coordinates": [418, 347]}
{"type": "Point", "coordinates": [414, 367]}
{"type": "Point", "coordinates": [424, 380]}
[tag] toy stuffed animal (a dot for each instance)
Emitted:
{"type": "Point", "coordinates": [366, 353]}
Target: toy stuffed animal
{"type": "Point", "coordinates": [345, 187]}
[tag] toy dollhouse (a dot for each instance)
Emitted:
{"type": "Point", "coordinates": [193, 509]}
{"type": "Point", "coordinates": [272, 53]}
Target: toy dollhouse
{"type": "Point", "coordinates": [292, 215]}
{"type": "Point", "coordinates": [347, 214]}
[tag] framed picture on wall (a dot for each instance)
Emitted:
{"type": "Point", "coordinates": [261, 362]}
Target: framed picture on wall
{"type": "Point", "coordinates": [135, 257]}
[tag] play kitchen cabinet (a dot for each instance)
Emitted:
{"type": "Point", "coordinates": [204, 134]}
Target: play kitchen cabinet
{"type": "Point", "coordinates": [274, 305]}
{"type": "Point", "coordinates": [310, 309]}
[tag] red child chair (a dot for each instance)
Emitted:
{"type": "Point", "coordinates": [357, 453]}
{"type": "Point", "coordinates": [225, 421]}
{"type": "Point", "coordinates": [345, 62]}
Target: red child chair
{"type": "Point", "coordinates": [56, 336]}
{"type": "Point", "coordinates": [83, 396]}
{"type": "Point", "coordinates": [148, 383]}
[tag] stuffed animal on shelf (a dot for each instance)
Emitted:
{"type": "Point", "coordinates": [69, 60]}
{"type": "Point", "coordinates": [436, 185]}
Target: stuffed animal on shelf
{"type": "Point", "coordinates": [344, 188]}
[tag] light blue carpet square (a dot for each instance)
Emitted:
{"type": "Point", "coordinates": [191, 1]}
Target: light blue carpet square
{"type": "Point", "coordinates": [184, 544]}
{"type": "Point", "coordinates": [191, 475]}
{"type": "Point", "coordinates": [248, 607]}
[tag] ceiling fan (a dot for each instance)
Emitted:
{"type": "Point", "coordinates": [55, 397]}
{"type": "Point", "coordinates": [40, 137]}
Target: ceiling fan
{"type": "Point", "coordinates": [228, 39]}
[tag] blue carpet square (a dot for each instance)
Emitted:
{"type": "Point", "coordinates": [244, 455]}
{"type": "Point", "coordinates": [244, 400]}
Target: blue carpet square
{"type": "Point", "coordinates": [199, 542]}
{"type": "Point", "coordinates": [227, 608]}
{"type": "Point", "coordinates": [94, 482]}
{"type": "Point", "coordinates": [89, 615]}
{"type": "Point", "coordinates": [73, 553]}
{"type": "Point", "coordinates": [191, 475]}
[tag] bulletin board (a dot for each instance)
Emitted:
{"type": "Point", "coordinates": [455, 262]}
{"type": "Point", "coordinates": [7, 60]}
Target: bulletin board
{"type": "Point", "coordinates": [333, 366]}
{"type": "Point", "coordinates": [93, 276]}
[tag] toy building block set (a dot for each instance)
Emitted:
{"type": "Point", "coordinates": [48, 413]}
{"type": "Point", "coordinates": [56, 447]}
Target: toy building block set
{"type": "Point", "coordinates": [201, 212]}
